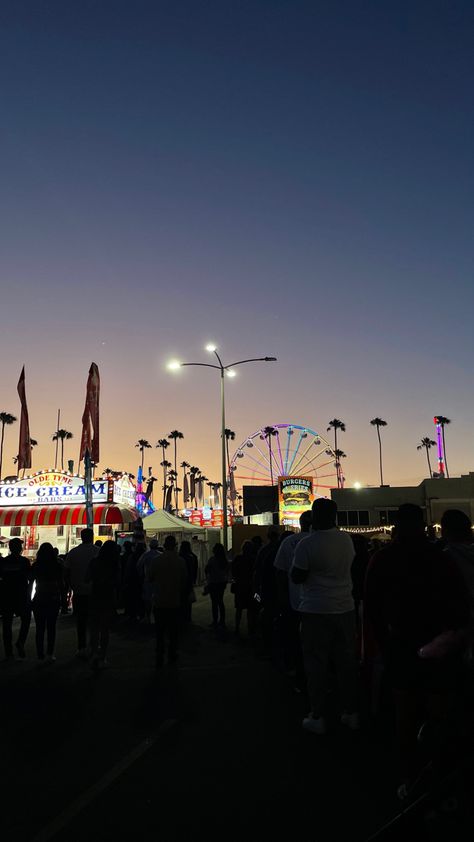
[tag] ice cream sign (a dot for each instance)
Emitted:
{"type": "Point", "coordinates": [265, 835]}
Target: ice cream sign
{"type": "Point", "coordinates": [53, 488]}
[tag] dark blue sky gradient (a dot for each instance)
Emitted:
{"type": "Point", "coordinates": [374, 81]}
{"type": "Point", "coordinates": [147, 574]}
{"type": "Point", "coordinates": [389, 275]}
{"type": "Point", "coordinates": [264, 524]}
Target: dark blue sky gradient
{"type": "Point", "coordinates": [290, 178]}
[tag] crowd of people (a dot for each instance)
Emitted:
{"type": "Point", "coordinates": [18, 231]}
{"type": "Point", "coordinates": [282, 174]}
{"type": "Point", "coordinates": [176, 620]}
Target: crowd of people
{"type": "Point", "coordinates": [337, 612]}
{"type": "Point", "coordinates": [331, 609]}
{"type": "Point", "coordinates": [98, 578]}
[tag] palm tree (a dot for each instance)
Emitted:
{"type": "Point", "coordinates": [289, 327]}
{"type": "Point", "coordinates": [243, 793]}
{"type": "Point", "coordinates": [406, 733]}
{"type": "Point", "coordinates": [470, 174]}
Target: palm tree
{"type": "Point", "coordinates": [336, 425]}
{"type": "Point", "coordinates": [268, 432]}
{"type": "Point", "coordinates": [339, 454]}
{"type": "Point", "coordinates": [378, 422]}
{"type": "Point", "coordinates": [174, 436]}
{"type": "Point", "coordinates": [427, 444]}
{"type": "Point", "coordinates": [165, 465]}
{"type": "Point", "coordinates": [62, 436]}
{"type": "Point", "coordinates": [163, 443]}
{"type": "Point", "coordinates": [194, 471]}
{"type": "Point", "coordinates": [185, 466]}
{"type": "Point", "coordinates": [33, 443]}
{"type": "Point", "coordinates": [217, 487]}
{"type": "Point", "coordinates": [6, 419]}
{"type": "Point", "coordinates": [143, 445]}
{"type": "Point", "coordinates": [211, 493]}
{"type": "Point", "coordinates": [443, 421]}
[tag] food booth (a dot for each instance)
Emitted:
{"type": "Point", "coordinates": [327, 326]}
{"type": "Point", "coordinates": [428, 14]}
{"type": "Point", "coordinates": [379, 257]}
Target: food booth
{"type": "Point", "coordinates": [51, 506]}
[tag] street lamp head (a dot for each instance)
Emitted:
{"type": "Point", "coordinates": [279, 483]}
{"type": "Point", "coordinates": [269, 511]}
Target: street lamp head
{"type": "Point", "coordinates": [231, 373]}
{"type": "Point", "coordinates": [270, 359]}
{"type": "Point", "coordinates": [174, 365]}
{"type": "Point", "coordinates": [211, 348]}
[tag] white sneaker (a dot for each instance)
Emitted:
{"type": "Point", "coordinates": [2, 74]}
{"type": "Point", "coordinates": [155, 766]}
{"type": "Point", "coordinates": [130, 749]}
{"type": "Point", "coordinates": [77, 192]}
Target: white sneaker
{"type": "Point", "coordinates": [315, 726]}
{"type": "Point", "coordinates": [351, 720]}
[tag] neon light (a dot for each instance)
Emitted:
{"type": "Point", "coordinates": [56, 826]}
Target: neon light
{"type": "Point", "coordinates": [439, 435]}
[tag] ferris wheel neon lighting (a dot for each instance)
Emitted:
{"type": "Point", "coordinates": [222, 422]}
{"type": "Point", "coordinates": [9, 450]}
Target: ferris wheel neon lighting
{"type": "Point", "coordinates": [260, 460]}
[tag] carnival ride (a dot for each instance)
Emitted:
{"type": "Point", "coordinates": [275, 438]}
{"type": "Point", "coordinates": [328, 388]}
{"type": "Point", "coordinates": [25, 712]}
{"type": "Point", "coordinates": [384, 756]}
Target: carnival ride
{"type": "Point", "coordinates": [284, 450]}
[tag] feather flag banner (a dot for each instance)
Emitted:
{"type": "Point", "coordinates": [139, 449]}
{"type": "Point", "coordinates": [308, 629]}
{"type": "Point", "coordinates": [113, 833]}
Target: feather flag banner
{"type": "Point", "coordinates": [24, 446]}
{"type": "Point", "coordinates": [90, 417]}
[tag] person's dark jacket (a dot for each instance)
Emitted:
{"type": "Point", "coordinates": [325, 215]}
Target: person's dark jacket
{"type": "Point", "coordinates": [15, 579]}
{"type": "Point", "coordinates": [413, 593]}
{"type": "Point", "coordinates": [192, 568]}
{"type": "Point", "coordinates": [265, 578]}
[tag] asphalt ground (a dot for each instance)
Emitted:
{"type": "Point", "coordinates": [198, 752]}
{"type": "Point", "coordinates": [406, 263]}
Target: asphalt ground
{"type": "Point", "coordinates": [210, 749]}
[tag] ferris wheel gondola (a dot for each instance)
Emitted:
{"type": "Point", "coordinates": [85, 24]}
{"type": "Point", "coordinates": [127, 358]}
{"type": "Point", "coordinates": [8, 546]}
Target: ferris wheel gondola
{"type": "Point", "coordinates": [284, 450]}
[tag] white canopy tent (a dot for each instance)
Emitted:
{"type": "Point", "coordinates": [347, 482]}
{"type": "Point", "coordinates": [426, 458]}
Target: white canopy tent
{"type": "Point", "coordinates": [161, 523]}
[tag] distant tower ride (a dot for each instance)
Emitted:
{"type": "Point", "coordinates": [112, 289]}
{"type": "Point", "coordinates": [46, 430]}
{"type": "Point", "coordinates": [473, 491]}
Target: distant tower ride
{"type": "Point", "coordinates": [439, 434]}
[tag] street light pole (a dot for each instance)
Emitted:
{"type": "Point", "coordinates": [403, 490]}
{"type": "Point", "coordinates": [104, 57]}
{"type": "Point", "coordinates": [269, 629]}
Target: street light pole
{"type": "Point", "coordinates": [223, 463]}
{"type": "Point", "coordinates": [223, 370]}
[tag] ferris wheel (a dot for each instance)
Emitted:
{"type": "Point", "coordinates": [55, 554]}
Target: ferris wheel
{"type": "Point", "coordinates": [285, 450]}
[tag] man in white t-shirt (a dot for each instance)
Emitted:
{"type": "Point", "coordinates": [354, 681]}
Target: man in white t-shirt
{"type": "Point", "coordinates": [322, 564]}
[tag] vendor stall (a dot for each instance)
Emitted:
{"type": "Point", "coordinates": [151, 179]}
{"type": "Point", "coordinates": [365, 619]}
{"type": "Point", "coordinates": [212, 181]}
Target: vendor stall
{"type": "Point", "coordinates": [161, 523]}
{"type": "Point", "coordinates": [50, 506]}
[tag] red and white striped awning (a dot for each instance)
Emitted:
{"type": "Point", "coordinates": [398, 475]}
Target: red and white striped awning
{"type": "Point", "coordinates": [65, 515]}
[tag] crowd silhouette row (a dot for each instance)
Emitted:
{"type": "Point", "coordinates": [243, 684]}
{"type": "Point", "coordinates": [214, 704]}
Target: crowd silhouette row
{"type": "Point", "coordinates": [335, 611]}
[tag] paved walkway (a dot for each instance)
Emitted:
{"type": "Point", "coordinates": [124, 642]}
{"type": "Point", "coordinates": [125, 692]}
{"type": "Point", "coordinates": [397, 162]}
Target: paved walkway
{"type": "Point", "coordinates": [212, 749]}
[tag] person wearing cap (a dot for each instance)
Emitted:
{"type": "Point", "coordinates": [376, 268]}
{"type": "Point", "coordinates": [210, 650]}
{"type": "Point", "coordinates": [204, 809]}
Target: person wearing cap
{"type": "Point", "coordinates": [143, 566]}
{"type": "Point", "coordinates": [15, 597]}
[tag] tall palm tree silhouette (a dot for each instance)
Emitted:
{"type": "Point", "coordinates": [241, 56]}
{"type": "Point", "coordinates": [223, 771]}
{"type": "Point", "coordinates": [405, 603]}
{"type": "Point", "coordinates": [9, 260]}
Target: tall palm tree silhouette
{"type": "Point", "coordinates": [443, 422]}
{"type": "Point", "coordinates": [336, 425]}
{"type": "Point", "coordinates": [164, 444]}
{"type": "Point", "coordinates": [378, 422]}
{"type": "Point", "coordinates": [217, 486]}
{"type": "Point", "coordinates": [174, 436]}
{"type": "Point", "coordinates": [185, 466]}
{"type": "Point", "coordinates": [426, 444]}
{"type": "Point", "coordinates": [268, 433]}
{"type": "Point", "coordinates": [6, 419]}
{"type": "Point", "coordinates": [62, 436]}
{"type": "Point", "coordinates": [165, 465]}
{"type": "Point", "coordinates": [194, 472]}
{"type": "Point", "coordinates": [143, 445]}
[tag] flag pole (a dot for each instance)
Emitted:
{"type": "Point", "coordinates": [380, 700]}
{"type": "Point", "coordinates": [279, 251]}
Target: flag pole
{"type": "Point", "coordinates": [88, 489]}
{"type": "Point", "coordinates": [57, 441]}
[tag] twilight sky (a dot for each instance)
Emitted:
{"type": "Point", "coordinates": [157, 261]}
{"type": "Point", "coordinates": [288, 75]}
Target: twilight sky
{"type": "Point", "coordinates": [282, 177]}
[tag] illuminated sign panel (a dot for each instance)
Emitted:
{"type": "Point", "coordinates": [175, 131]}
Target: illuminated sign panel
{"type": "Point", "coordinates": [124, 492]}
{"type": "Point", "coordinates": [295, 496]}
{"type": "Point", "coordinates": [55, 488]}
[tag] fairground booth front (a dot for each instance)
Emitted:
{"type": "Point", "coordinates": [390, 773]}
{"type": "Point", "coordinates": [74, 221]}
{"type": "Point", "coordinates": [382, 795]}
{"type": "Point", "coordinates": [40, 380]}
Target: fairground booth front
{"type": "Point", "coordinates": [51, 506]}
